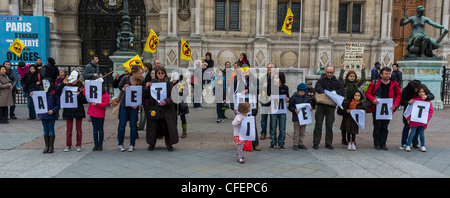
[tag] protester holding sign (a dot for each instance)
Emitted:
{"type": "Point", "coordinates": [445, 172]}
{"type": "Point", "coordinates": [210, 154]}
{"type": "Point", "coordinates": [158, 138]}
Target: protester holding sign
{"type": "Point", "coordinates": [383, 89]}
{"type": "Point", "coordinates": [14, 81]}
{"type": "Point", "coordinates": [129, 113]}
{"type": "Point", "coordinates": [97, 113]}
{"type": "Point", "coordinates": [6, 99]}
{"type": "Point", "coordinates": [331, 83]}
{"type": "Point", "coordinates": [243, 108]}
{"type": "Point", "coordinates": [416, 125]}
{"type": "Point", "coordinates": [49, 118]}
{"type": "Point", "coordinates": [299, 97]}
{"type": "Point", "coordinates": [279, 80]}
{"type": "Point", "coordinates": [407, 94]}
{"type": "Point", "coordinates": [162, 115]}
{"type": "Point", "coordinates": [350, 125]}
{"type": "Point", "coordinates": [70, 95]}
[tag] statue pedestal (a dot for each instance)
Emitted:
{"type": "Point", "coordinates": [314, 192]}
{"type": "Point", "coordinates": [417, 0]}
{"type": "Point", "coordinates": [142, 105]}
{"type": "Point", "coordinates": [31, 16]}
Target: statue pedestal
{"type": "Point", "coordinates": [119, 58]}
{"type": "Point", "coordinates": [429, 72]}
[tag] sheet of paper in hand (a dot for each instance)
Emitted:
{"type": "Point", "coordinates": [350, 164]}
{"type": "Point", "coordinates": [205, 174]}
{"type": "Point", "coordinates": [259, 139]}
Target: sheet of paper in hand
{"type": "Point", "coordinates": [304, 113]}
{"type": "Point", "coordinates": [69, 97]}
{"type": "Point", "coordinates": [40, 102]}
{"type": "Point", "coordinates": [359, 116]}
{"type": "Point", "coordinates": [247, 131]}
{"type": "Point", "coordinates": [420, 110]}
{"type": "Point", "coordinates": [133, 96]}
{"type": "Point", "coordinates": [158, 91]}
{"type": "Point", "coordinates": [383, 109]}
{"type": "Point", "coordinates": [335, 97]}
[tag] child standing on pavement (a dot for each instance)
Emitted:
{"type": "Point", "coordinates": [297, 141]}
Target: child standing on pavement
{"type": "Point", "coordinates": [348, 124]}
{"type": "Point", "coordinates": [417, 127]}
{"type": "Point", "coordinates": [299, 130]}
{"type": "Point", "coordinates": [97, 113]}
{"type": "Point", "coordinates": [243, 109]}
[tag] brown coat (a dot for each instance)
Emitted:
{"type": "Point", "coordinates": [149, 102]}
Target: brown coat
{"type": "Point", "coordinates": [348, 124]}
{"type": "Point", "coordinates": [5, 92]}
{"type": "Point", "coordinates": [165, 126]}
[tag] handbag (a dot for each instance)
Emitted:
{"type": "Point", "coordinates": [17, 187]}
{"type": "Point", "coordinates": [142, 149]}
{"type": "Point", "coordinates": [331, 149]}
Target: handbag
{"type": "Point", "coordinates": [115, 103]}
{"type": "Point", "coordinates": [153, 112]}
{"type": "Point", "coordinates": [324, 99]}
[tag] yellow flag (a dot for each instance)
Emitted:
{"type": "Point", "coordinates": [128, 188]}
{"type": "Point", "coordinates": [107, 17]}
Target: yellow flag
{"type": "Point", "coordinates": [134, 61]}
{"type": "Point", "coordinates": [152, 42]}
{"type": "Point", "coordinates": [185, 50]}
{"type": "Point", "coordinates": [288, 22]}
{"type": "Point", "coordinates": [17, 47]}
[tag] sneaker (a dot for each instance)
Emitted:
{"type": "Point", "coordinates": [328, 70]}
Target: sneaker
{"type": "Point", "coordinates": [349, 146]}
{"type": "Point", "coordinates": [67, 149]}
{"type": "Point", "coordinates": [131, 149]}
{"type": "Point", "coordinates": [241, 161]}
{"type": "Point", "coordinates": [353, 147]}
{"type": "Point", "coordinates": [408, 148]}
{"type": "Point", "coordinates": [222, 121]}
{"type": "Point", "coordinates": [282, 148]}
{"type": "Point", "coordinates": [121, 148]}
{"type": "Point", "coordinates": [402, 147]}
{"type": "Point", "coordinates": [271, 148]}
{"type": "Point", "coordinates": [218, 120]}
{"type": "Point", "coordinates": [295, 147]}
{"type": "Point", "coordinates": [423, 149]}
{"type": "Point", "coordinates": [78, 149]}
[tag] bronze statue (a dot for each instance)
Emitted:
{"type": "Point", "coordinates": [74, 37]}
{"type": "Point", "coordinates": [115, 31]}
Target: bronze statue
{"type": "Point", "coordinates": [420, 45]}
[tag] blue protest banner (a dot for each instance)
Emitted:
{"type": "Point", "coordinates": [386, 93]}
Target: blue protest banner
{"type": "Point", "coordinates": [33, 31]}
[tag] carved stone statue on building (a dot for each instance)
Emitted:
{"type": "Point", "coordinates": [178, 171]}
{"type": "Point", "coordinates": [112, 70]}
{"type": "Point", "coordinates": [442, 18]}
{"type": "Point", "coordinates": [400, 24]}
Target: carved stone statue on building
{"type": "Point", "coordinates": [420, 45]}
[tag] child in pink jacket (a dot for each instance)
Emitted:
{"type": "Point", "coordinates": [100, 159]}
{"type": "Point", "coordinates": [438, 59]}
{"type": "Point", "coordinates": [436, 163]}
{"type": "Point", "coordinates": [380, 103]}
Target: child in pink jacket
{"type": "Point", "coordinates": [417, 127]}
{"type": "Point", "coordinates": [97, 113]}
{"type": "Point", "coordinates": [243, 109]}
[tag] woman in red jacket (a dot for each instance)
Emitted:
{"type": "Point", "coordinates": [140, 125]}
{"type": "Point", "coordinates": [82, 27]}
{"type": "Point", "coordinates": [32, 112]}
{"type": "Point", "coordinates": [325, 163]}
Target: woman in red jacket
{"type": "Point", "coordinates": [97, 113]}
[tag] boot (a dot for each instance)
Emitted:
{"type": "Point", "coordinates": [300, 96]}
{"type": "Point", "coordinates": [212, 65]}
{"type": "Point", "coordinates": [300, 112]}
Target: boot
{"type": "Point", "coordinates": [46, 140]}
{"type": "Point", "coordinates": [51, 142]}
{"type": "Point", "coordinates": [184, 135]}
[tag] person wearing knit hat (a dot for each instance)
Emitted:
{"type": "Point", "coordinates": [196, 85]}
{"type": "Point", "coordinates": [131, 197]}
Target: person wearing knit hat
{"type": "Point", "coordinates": [299, 130]}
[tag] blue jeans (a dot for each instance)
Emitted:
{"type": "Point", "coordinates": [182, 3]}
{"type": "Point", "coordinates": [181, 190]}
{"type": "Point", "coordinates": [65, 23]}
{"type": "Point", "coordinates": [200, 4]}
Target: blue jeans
{"type": "Point", "coordinates": [125, 114]}
{"type": "Point", "coordinates": [419, 130]}
{"type": "Point", "coordinates": [97, 125]}
{"type": "Point", "coordinates": [405, 132]}
{"type": "Point", "coordinates": [31, 111]}
{"type": "Point", "coordinates": [264, 124]}
{"type": "Point", "coordinates": [281, 119]}
{"type": "Point", "coordinates": [49, 127]}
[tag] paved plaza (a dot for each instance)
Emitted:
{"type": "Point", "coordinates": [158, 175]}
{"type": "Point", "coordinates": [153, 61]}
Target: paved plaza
{"type": "Point", "coordinates": [209, 152]}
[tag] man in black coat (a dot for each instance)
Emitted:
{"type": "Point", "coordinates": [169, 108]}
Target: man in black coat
{"type": "Point", "coordinates": [331, 83]}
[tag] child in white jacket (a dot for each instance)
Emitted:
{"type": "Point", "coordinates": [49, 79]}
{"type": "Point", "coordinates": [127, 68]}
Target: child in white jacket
{"type": "Point", "coordinates": [243, 109]}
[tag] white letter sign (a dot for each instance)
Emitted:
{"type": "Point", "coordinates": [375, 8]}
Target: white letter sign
{"type": "Point", "coordinates": [247, 131]}
{"type": "Point", "coordinates": [383, 110]}
{"type": "Point", "coordinates": [93, 91]}
{"type": "Point", "coordinates": [133, 96]}
{"type": "Point", "coordinates": [159, 91]}
{"type": "Point", "coordinates": [304, 113]}
{"type": "Point", "coordinates": [420, 111]}
{"type": "Point", "coordinates": [40, 101]}
{"type": "Point", "coordinates": [69, 97]}
{"type": "Point", "coordinates": [278, 104]}
{"type": "Point", "coordinates": [359, 116]}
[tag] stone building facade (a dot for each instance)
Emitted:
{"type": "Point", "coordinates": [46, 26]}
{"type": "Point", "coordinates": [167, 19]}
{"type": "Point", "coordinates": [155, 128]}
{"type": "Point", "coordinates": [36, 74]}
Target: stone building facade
{"type": "Point", "coordinates": [227, 28]}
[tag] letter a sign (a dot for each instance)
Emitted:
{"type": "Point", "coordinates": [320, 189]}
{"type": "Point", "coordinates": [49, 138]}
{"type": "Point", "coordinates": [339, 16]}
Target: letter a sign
{"type": "Point", "coordinates": [383, 109]}
{"type": "Point", "coordinates": [40, 101]}
{"type": "Point", "coordinates": [159, 91]}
